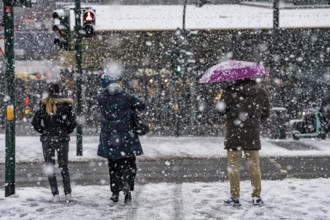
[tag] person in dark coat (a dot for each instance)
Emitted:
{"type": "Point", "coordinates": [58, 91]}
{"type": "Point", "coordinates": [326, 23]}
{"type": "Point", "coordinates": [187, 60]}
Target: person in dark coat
{"type": "Point", "coordinates": [118, 141]}
{"type": "Point", "coordinates": [246, 106]}
{"type": "Point", "coordinates": [55, 120]}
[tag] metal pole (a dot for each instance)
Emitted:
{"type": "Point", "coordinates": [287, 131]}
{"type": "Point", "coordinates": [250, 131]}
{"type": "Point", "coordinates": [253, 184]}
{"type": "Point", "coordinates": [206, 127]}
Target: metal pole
{"type": "Point", "coordinates": [10, 92]}
{"type": "Point", "coordinates": [176, 77]}
{"type": "Point", "coordinates": [276, 56]}
{"type": "Point", "coordinates": [177, 105]}
{"type": "Point", "coordinates": [278, 129]}
{"type": "Point", "coordinates": [78, 77]}
{"type": "Point", "coordinates": [177, 70]}
{"type": "Point", "coordinates": [184, 15]}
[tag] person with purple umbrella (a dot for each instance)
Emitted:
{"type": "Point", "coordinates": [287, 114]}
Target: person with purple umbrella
{"type": "Point", "coordinates": [246, 106]}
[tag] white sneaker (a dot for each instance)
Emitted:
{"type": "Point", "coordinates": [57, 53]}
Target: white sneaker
{"type": "Point", "coordinates": [68, 198]}
{"type": "Point", "coordinates": [232, 201]}
{"type": "Point", "coordinates": [257, 201]}
{"type": "Point", "coordinates": [56, 198]}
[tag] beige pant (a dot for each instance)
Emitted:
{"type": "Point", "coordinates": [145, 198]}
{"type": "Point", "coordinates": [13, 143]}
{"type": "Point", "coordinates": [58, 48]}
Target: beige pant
{"type": "Point", "coordinates": [234, 165]}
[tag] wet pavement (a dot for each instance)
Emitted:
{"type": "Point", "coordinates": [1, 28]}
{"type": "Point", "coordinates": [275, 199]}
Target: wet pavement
{"type": "Point", "coordinates": [177, 170]}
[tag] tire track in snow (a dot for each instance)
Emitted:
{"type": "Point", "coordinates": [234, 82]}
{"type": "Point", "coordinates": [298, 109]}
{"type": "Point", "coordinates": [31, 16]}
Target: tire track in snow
{"type": "Point", "coordinates": [133, 209]}
{"type": "Point", "coordinates": [178, 202]}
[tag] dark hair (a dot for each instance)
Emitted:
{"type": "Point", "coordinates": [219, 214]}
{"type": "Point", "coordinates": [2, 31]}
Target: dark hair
{"type": "Point", "coordinates": [237, 83]}
{"type": "Point", "coordinates": [246, 80]}
{"type": "Point", "coordinates": [53, 90]}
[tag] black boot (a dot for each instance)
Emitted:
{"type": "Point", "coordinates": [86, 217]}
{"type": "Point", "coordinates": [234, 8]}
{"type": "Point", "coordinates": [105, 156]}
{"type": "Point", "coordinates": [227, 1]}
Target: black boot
{"type": "Point", "coordinates": [127, 193]}
{"type": "Point", "coordinates": [128, 198]}
{"type": "Point", "coordinates": [114, 197]}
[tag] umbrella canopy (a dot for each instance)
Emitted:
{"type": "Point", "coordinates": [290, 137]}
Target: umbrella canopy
{"type": "Point", "coordinates": [232, 70]}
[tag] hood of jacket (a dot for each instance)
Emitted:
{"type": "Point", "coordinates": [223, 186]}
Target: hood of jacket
{"type": "Point", "coordinates": [57, 101]}
{"type": "Point", "coordinates": [51, 104]}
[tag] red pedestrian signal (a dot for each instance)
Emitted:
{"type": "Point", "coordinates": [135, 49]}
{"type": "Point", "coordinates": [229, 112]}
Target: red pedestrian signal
{"type": "Point", "coordinates": [89, 17]}
{"type": "Point", "coordinates": [88, 21]}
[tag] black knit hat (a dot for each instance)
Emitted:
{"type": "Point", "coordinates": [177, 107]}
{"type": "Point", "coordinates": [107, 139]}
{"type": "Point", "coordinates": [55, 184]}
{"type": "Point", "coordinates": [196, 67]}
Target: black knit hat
{"type": "Point", "coordinates": [53, 90]}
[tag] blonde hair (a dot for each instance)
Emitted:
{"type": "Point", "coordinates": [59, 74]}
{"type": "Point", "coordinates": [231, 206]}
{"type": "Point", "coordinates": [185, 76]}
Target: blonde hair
{"type": "Point", "coordinates": [51, 106]}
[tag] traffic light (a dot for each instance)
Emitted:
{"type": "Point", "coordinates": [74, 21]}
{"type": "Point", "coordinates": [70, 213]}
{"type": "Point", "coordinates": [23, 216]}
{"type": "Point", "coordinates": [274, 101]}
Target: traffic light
{"type": "Point", "coordinates": [177, 53]}
{"type": "Point", "coordinates": [178, 37]}
{"type": "Point", "coordinates": [61, 27]}
{"type": "Point", "coordinates": [176, 60]}
{"type": "Point", "coordinates": [89, 21]}
{"type": "Point", "coordinates": [26, 104]}
{"type": "Point", "coordinates": [178, 68]}
{"type": "Point", "coordinates": [24, 3]}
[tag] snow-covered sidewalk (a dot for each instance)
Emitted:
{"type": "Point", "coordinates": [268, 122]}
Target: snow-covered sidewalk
{"type": "Point", "coordinates": [28, 148]}
{"type": "Point", "coordinates": [287, 199]}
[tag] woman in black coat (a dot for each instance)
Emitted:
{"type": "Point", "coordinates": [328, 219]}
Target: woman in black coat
{"type": "Point", "coordinates": [118, 141]}
{"type": "Point", "coordinates": [55, 120]}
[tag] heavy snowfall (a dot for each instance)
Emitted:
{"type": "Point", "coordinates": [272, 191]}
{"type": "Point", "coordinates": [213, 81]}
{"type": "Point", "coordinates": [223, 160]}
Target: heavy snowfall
{"type": "Point", "coordinates": [159, 50]}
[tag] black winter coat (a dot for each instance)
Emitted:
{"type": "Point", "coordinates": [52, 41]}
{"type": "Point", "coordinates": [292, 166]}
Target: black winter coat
{"type": "Point", "coordinates": [117, 138]}
{"type": "Point", "coordinates": [55, 127]}
{"type": "Point", "coordinates": [246, 107]}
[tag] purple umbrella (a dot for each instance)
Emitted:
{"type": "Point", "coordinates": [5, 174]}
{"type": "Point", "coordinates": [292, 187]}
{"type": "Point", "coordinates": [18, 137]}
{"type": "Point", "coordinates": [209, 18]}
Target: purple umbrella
{"type": "Point", "coordinates": [232, 70]}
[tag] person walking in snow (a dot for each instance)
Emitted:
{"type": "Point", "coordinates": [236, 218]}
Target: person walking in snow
{"type": "Point", "coordinates": [246, 106]}
{"type": "Point", "coordinates": [119, 143]}
{"type": "Point", "coordinates": [55, 120]}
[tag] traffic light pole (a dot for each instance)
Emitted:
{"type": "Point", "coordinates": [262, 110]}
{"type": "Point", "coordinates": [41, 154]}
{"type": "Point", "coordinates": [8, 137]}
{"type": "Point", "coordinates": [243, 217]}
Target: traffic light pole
{"type": "Point", "coordinates": [184, 15]}
{"type": "Point", "coordinates": [78, 38]}
{"type": "Point", "coordinates": [176, 64]}
{"type": "Point", "coordinates": [10, 92]}
{"type": "Point", "coordinates": [276, 75]}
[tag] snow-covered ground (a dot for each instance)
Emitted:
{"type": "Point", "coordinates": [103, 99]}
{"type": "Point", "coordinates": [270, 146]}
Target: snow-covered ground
{"type": "Point", "coordinates": [286, 199]}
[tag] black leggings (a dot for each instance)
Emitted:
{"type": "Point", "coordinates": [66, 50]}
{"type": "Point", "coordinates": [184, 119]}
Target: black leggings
{"type": "Point", "coordinates": [122, 174]}
{"type": "Point", "coordinates": [62, 149]}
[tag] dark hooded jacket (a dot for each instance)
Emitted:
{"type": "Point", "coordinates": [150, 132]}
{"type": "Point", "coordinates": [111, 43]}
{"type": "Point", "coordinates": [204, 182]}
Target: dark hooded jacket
{"type": "Point", "coordinates": [117, 138]}
{"type": "Point", "coordinates": [55, 127]}
{"type": "Point", "coordinates": [246, 107]}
